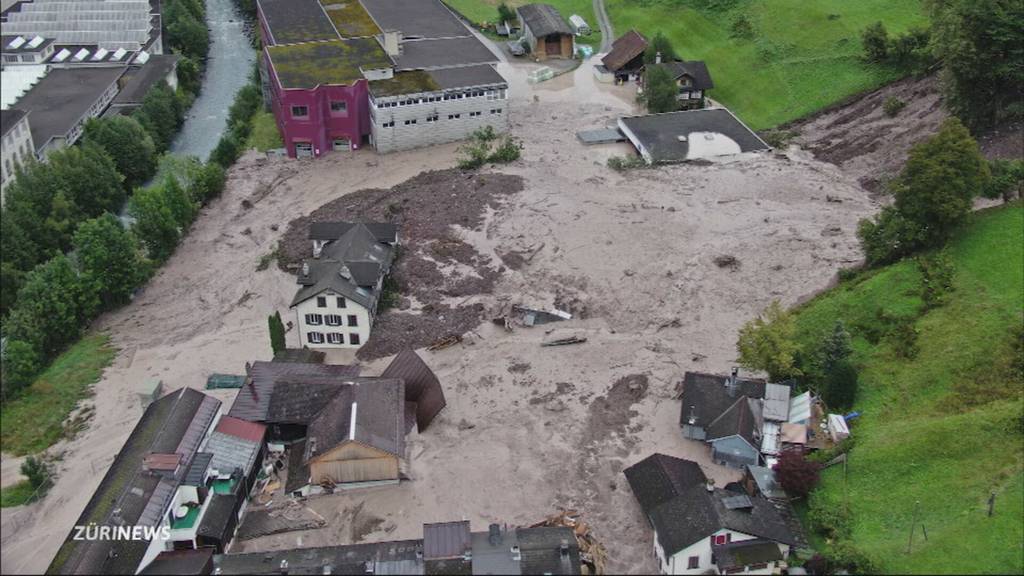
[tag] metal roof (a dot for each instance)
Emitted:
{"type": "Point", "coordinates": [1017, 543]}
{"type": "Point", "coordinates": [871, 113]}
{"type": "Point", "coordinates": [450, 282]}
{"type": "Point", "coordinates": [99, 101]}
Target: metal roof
{"type": "Point", "coordinates": [196, 474]}
{"type": "Point", "coordinates": [737, 502]}
{"type": "Point", "coordinates": [800, 408]}
{"type": "Point", "coordinates": [446, 540]}
{"type": "Point", "coordinates": [231, 452]}
{"type": "Point", "coordinates": [776, 402]}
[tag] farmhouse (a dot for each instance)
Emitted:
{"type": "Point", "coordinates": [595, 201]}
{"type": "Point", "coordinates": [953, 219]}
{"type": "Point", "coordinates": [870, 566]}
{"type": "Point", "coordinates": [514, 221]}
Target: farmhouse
{"type": "Point", "coordinates": [692, 81]}
{"type": "Point", "coordinates": [446, 548]}
{"type": "Point", "coordinates": [689, 135]}
{"type": "Point", "coordinates": [739, 418]}
{"type": "Point", "coordinates": [340, 288]}
{"type": "Point", "coordinates": [545, 32]}
{"type": "Point", "coordinates": [625, 61]}
{"type": "Point", "coordinates": [394, 74]}
{"type": "Point", "coordinates": [699, 528]}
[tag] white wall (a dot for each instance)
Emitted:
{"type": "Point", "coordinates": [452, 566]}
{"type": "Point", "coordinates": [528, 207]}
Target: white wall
{"type": "Point", "coordinates": [679, 563]}
{"type": "Point", "coordinates": [17, 149]}
{"type": "Point", "coordinates": [364, 321]}
{"type": "Point", "coordinates": [492, 106]}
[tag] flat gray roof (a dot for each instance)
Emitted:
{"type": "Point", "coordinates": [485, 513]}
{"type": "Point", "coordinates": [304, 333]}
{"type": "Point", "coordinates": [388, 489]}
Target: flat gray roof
{"type": "Point", "coordinates": [140, 80]}
{"type": "Point", "coordinates": [707, 132]}
{"type": "Point", "coordinates": [62, 97]}
{"type": "Point", "coordinates": [293, 21]}
{"type": "Point", "coordinates": [443, 53]}
{"type": "Point", "coordinates": [416, 19]}
{"type": "Point", "coordinates": [9, 118]}
{"type": "Point", "coordinates": [466, 76]}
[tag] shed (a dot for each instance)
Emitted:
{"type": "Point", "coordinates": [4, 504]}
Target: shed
{"type": "Point", "coordinates": [546, 33]}
{"type": "Point", "coordinates": [626, 58]}
{"type": "Point", "coordinates": [579, 25]}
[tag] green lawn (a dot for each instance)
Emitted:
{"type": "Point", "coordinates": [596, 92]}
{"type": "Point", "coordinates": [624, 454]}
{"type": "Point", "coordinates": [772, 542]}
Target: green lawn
{"type": "Point", "coordinates": [804, 55]}
{"type": "Point", "coordinates": [917, 439]}
{"type": "Point", "coordinates": [16, 494]}
{"type": "Point", "coordinates": [264, 135]}
{"type": "Point", "coordinates": [486, 11]}
{"type": "Point", "coordinates": [36, 419]}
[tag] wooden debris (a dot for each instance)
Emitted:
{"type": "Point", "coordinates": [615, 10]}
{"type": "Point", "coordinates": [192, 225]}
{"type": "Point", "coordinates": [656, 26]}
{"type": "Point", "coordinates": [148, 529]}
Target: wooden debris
{"type": "Point", "coordinates": [592, 553]}
{"type": "Point", "coordinates": [445, 342]}
{"type": "Point", "coordinates": [565, 341]}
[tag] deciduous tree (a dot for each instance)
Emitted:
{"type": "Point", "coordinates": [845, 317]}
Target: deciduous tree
{"type": "Point", "coordinates": [108, 258]}
{"type": "Point", "coordinates": [659, 90]}
{"type": "Point", "coordinates": [277, 342]}
{"type": "Point", "coordinates": [767, 343]}
{"type": "Point", "coordinates": [128, 145]}
{"type": "Point", "coordinates": [796, 474]}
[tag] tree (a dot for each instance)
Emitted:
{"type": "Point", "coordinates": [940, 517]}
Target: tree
{"type": "Point", "coordinates": [186, 28]}
{"type": "Point", "coordinates": [835, 347]}
{"type": "Point", "coordinates": [183, 208]}
{"type": "Point", "coordinates": [38, 473]}
{"type": "Point", "coordinates": [506, 14]}
{"type": "Point", "coordinates": [210, 182]}
{"type": "Point", "coordinates": [227, 150]}
{"type": "Point", "coordinates": [155, 225]}
{"type": "Point", "coordinates": [767, 343]}
{"type": "Point", "coordinates": [659, 90]}
{"type": "Point", "coordinates": [128, 144]}
{"type": "Point", "coordinates": [109, 259]}
{"type": "Point", "coordinates": [189, 75]}
{"type": "Point", "coordinates": [52, 307]}
{"type": "Point", "coordinates": [89, 179]}
{"type": "Point", "coordinates": [660, 44]}
{"type": "Point", "coordinates": [1007, 179]}
{"type": "Point", "coordinates": [160, 114]}
{"type": "Point", "coordinates": [277, 343]}
{"type": "Point", "coordinates": [875, 40]}
{"type": "Point", "coordinates": [840, 387]}
{"type": "Point", "coordinates": [942, 176]}
{"type": "Point", "coordinates": [20, 365]}
{"type": "Point", "coordinates": [981, 46]}
{"type": "Point", "coordinates": [795, 473]}
{"type": "Point", "coordinates": [887, 237]}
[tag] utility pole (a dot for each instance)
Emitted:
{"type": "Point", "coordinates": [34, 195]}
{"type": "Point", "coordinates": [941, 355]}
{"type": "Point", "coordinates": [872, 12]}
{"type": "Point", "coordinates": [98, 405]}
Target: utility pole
{"type": "Point", "coordinates": [913, 524]}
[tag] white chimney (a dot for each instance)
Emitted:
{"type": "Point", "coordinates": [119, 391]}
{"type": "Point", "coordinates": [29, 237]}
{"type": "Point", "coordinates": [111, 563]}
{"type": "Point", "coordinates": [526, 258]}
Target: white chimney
{"type": "Point", "coordinates": [393, 42]}
{"type": "Point", "coordinates": [710, 485]}
{"type": "Point", "coordinates": [657, 58]}
{"type": "Point", "coordinates": [305, 268]}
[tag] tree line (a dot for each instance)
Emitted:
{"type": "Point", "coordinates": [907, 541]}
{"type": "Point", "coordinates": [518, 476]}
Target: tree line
{"type": "Point", "coordinates": [979, 45]}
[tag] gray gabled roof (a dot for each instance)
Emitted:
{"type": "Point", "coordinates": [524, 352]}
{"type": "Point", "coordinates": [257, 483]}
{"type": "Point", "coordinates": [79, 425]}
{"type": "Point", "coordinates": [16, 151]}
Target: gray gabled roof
{"type": "Point", "coordinates": [695, 69]}
{"type": "Point", "coordinates": [253, 402]}
{"type": "Point", "coordinates": [543, 20]}
{"type": "Point", "coordinates": [378, 408]}
{"type": "Point", "coordinates": [421, 386]}
{"type": "Point", "coordinates": [740, 419]}
{"type": "Point", "coordinates": [707, 396]}
{"type": "Point", "coordinates": [331, 231]}
{"type": "Point", "coordinates": [349, 266]}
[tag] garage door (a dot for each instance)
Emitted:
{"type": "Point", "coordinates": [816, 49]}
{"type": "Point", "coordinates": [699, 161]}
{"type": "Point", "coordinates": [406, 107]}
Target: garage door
{"type": "Point", "coordinates": [553, 45]}
{"type": "Point", "coordinates": [341, 145]}
{"type": "Point", "coordinates": [303, 150]}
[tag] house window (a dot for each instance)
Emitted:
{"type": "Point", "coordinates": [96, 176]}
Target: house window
{"type": "Point", "coordinates": [341, 302]}
{"type": "Point", "coordinates": [495, 110]}
{"type": "Point", "coordinates": [454, 116]}
{"type": "Point", "coordinates": [353, 339]}
{"type": "Point", "coordinates": [314, 319]}
{"type": "Point", "coordinates": [432, 118]}
{"type": "Point", "coordinates": [389, 124]}
{"type": "Point", "coordinates": [335, 338]}
{"type": "Point", "coordinates": [333, 320]}
{"type": "Point", "coordinates": [694, 562]}
{"type": "Point", "coordinates": [339, 106]}
{"type": "Point", "coordinates": [353, 320]}
{"type": "Point", "coordinates": [321, 302]}
{"type": "Point", "coordinates": [412, 121]}
{"type": "Point", "coordinates": [477, 113]}
{"type": "Point", "coordinates": [300, 111]}
{"type": "Point", "coordinates": [720, 539]}
{"type": "Point", "coordinates": [316, 337]}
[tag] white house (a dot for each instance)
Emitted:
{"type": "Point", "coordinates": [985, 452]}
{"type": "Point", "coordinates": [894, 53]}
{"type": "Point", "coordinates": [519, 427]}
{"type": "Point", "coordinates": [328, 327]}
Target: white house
{"type": "Point", "coordinates": [699, 528]}
{"type": "Point", "coordinates": [337, 301]}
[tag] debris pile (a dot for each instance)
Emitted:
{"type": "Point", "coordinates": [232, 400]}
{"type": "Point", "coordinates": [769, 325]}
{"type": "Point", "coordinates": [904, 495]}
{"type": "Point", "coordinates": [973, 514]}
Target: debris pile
{"type": "Point", "coordinates": [592, 552]}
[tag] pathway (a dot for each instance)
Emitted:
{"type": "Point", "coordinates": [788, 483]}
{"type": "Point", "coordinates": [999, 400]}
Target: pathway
{"type": "Point", "coordinates": [607, 33]}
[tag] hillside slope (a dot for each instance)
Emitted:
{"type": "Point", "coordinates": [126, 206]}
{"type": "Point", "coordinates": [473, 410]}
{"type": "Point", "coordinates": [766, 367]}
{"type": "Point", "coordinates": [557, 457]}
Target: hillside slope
{"type": "Point", "coordinates": [945, 428]}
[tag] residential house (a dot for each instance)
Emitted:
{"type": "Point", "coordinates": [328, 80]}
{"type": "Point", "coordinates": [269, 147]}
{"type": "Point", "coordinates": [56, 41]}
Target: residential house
{"type": "Point", "coordinates": [692, 81]}
{"type": "Point", "coordinates": [446, 548]}
{"type": "Point", "coordinates": [394, 74]}
{"type": "Point", "coordinates": [700, 528]}
{"type": "Point", "coordinates": [339, 290]}
{"type": "Point", "coordinates": [151, 483]}
{"type": "Point", "coordinates": [625, 61]}
{"type": "Point", "coordinates": [324, 233]}
{"type": "Point", "coordinates": [17, 148]}
{"type": "Point", "coordinates": [545, 33]}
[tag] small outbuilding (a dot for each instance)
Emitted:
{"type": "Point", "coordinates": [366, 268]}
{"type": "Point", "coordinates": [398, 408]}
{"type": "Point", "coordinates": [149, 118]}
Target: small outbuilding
{"type": "Point", "coordinates": [579, 25]}
{"type": "Point", "coordinates": [626, 58]}
{"type": "Point", "coordinates": [690, 135]}
{"type": "Point", "coordinates": [545, 32]}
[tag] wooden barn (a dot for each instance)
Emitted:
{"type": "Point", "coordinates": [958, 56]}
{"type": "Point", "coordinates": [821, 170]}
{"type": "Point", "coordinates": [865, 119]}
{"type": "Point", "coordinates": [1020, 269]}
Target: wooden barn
{"type": "Point", "coordinates": [546, 33]}
{"type": "Point", "coordinates": [360, 435]}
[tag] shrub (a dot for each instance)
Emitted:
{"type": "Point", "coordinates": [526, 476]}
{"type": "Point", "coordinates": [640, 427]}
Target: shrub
{"type": "Point", "coordinates": [742, 28]}
{"type": "Point", "coordinates": [887, 237]}
{"type": "Point", "coordinates": [21, 362]}
{"type": "Point", "coordinates": [768, 343]}
{"type": "Point", "coordinates": [39, 474]}
{"type": "Point", "coordinates": [796, 474]}
{"type": "Point", "coordinates": [892, 106]}
{"type": "Point", "coordinates": [875, 40]}
{"type": "Point", "coordinates": [276, 326]}
{"type": "Point", "coordinates": [840, 387]}
{"type": "Point", "coordinates": [904, 339]}
{"type": "Point", "coordinates": [624, 163]}
{"type": "Point", "coordinates": [506, 14]}
{"type": "Point", "coordinates": [480, 150]}
{"type": "Point", "coordinates": [828, 518]}
{"type": "Point", "coordinates": [937, 273]}
{"type": "Point", "coordinates": [508, 151]}
{"type": "Point", "coordinates": [778, 138]}
{"type": "Point", "coordinates": [227, 150]}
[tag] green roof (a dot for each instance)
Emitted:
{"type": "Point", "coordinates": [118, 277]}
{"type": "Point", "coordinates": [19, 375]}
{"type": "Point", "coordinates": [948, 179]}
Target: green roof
{"type": "Point", "coordinates": [334, 62]}
{"type": "Point", "coordinates": [350, 18]}
{"type": "Point", "coordinates": [410, 82]}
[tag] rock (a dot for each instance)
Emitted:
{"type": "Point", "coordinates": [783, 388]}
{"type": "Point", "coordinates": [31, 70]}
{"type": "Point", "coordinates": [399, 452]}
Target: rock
{"type": "Point", "coordinates": [465, 425]}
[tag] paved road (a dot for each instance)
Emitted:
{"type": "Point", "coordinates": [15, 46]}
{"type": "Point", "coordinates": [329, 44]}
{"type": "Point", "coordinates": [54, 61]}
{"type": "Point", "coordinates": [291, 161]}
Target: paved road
{"type": "Point", "coordinates": [607, 33]}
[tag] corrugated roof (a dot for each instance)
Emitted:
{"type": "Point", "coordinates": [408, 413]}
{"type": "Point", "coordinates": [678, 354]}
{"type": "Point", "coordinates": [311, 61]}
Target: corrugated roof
{"type": "Point", "coordinates": [162, 462]}
{"type": "Point", "coordinates": [196, 474]}
{"type": "Point", "coordinates": [624, 50]}
{"type": "Point", "coordinates": [421, 386]}
{"type": "Point", "coordinates": [231, 452]}
{"type": "Point", "coordinates": [446, 540]}
{"type": "Point", "coordinates": [253, 400]}
{"type": "Point", "coordinates": [543, 20]}
{"type": "Point", "coordinates": [776, 402]}
{"type": "Point", "coordinates": [243, 429]}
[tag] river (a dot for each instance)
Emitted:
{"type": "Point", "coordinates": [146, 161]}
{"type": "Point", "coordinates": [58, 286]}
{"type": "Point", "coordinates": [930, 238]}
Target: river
{"type": "Point", "coordinates": [228, 65]}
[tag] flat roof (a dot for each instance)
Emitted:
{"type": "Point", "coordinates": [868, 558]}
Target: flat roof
{"type": "Point", "coordinates": [28, 43]}
{"type": "Point", "coordinates": [416, 19]}
{"type": "Point", "coordinates": [292, 21]}
{"type": "Point", "coordinates": [466, 76]}
{"type": "Point", "coordinates": [410, 82]}
{"type": "Point", "coordinates": [9, 118]}
{"type": "Point", "coordinates": [350, 18]}
{"type": "Point", "coordinates": [15, 81]}
{"type": "Point", "coordinates": [443, 53]}
{"type": "Point", "coordinates": [63, 97]}
{"type": "Point", "coordinates": [141, 79]}
{"type": "Point", "coordinates": [707, 133]}
{"type": "Point", "coordinates": [334, 62]}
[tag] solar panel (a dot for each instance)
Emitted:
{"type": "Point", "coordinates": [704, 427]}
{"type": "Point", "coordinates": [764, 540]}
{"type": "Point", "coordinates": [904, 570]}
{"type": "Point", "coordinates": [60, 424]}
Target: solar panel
{"type": "Point", "coordinates": [143, 57]}
{"type": "Point", "coordinates": [118, 54]}
{"type": "Point", "coordinates": [16, 43]}
{"type": "Point", "coordinates": [35, 42]}
{"type": "Point", "coordinates": [62, 55]}
{"type": "Point", "coordinates": [100, 54]}
{"type": "Point", "coordinates": [737, 502]}
{"type": "Point", "coordinates": [80, 55]}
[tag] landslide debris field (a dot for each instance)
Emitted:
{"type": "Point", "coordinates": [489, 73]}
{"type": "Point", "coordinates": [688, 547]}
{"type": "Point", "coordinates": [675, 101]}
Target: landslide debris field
{"type": "Point", "coordinates": [436, 272]}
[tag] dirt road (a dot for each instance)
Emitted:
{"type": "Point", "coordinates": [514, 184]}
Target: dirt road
{"type": "Point", "coordinates": [527, 428]}
{"type": "Point", "coordinates": [607, 32]}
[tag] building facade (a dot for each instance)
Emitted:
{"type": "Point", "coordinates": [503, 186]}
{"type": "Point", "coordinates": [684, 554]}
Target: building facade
{"type": "Point", "coordinates": [330, 320]}
{"type": "Point", "coordinates": [17, 148]}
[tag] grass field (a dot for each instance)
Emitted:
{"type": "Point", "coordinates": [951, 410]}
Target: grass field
{"type": "Point", "coordinates": [35, 420]}
{"type": "Point", "coordinates": [264, 135]}
{"type": "Point", "coordinates": [939, 428]}
{"type": "Point", "coordinates": [803, 55]}
{"type": "Point", "coordinates": [481, 11]}
{"type": "Point", "coordinates": [16, 494]}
